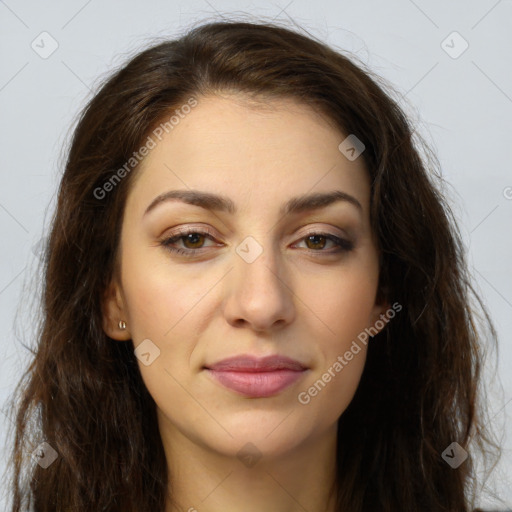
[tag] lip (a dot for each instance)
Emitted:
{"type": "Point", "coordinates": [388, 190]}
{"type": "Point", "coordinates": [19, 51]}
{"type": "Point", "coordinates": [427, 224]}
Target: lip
{"type": "Point", "coordinates": [248, 363]}
{"type": "Point", "coordinates": [257, 377]}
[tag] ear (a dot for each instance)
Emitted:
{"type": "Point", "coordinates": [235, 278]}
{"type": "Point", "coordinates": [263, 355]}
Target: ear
{"type": "Point", "coordinates": [114, 311]}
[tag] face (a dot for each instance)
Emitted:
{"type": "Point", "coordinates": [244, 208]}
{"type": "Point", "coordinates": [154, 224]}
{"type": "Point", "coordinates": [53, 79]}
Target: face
{"type": "Point", "coordinates": [253, 279]}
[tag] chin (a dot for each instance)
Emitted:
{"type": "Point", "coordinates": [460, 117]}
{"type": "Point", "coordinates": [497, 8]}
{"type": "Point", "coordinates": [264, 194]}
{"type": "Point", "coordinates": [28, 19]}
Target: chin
{"type": "Point", "coordinates": [272, 434]}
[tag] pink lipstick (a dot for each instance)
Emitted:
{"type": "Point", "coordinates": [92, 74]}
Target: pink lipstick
{"type": "Point", "coordinates": [256, 377]}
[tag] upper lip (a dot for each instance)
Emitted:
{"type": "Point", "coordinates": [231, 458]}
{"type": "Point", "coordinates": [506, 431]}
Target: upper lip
{"type": "Point", "coordinates": [248, 363]}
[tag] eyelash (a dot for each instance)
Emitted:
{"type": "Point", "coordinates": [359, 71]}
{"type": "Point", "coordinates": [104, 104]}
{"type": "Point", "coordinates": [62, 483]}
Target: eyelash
{"type": "Point", "coordinates": [343, 245]}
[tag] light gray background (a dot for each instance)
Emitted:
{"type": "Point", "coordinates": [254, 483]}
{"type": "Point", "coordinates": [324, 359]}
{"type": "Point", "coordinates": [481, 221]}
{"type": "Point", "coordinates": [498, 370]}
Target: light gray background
{"type": "Point", "coordinates": [463, 106]}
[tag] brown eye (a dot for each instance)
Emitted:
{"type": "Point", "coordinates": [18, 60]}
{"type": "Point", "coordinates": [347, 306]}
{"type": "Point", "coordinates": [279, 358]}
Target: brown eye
{"type": "Point", "coordinates": [193, 242]}
{"type": "Point", "coordinates": [314, 241]}
{"type": "Point", "coordinates": [194, 239]}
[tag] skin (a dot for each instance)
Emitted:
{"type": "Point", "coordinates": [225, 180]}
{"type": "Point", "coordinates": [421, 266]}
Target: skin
{"type": "Point", "coordinates": [293, 300]}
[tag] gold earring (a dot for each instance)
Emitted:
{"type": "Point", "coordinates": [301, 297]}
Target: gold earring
{"type": "Point", "coordinates": [122, 324]}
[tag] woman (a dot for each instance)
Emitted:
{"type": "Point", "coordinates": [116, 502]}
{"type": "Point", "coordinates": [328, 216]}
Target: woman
{"type": "Point", "coordinates": [256, 297]}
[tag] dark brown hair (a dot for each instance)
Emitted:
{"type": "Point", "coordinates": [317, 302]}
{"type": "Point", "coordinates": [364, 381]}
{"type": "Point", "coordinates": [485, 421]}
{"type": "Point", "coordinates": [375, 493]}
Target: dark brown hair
{"type": "Point", "coordinates": [83, 393]}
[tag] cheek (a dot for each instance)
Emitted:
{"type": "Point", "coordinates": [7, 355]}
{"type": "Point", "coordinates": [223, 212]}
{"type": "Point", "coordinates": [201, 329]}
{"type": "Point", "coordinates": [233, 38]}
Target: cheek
{"type": "Point", "coordinates": [331, 388]}
{"type": "Point", "coordinates": [161, 304]}
{"type": "Point", "coordinates": [341, 356]}
{"type": "Point", "coordinates": [159, 298]}
{"type": "Point", "coordinates": [343, 302]}
{"type": "Point", "coordinates": [163, 307]}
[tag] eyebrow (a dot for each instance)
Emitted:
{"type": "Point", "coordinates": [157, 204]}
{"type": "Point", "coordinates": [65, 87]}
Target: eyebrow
{"type": "Point", "coordinates": [215, 202]}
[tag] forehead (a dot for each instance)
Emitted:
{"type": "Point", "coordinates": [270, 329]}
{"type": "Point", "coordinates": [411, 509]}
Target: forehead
{"type": "Point", "coordinates": [244, 149]}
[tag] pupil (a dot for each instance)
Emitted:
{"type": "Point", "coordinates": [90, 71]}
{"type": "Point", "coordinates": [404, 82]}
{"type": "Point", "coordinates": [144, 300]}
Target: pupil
{"type": "Point", "coordinates": [192, 238]}
{"type": "Point", "coordinates": [312, 237]}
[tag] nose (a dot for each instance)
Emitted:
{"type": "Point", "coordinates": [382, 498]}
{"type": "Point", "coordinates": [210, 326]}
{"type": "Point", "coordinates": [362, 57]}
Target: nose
{"type": "Point", "coordinates": [259, 296]}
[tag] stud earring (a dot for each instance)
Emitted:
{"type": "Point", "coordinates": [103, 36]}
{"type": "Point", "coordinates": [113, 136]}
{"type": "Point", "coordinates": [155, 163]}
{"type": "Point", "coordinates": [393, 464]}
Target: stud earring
{"type": "Point", "coordinates": [122, 324]}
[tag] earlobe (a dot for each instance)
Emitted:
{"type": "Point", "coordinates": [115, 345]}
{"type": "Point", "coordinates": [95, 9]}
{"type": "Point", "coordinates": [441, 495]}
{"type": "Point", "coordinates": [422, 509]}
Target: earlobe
{"type": "Point", "coordinates": [114, 314]}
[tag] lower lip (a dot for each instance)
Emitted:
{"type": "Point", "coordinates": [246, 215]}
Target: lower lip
{"type": "Point", "coordinates": [257, 384]}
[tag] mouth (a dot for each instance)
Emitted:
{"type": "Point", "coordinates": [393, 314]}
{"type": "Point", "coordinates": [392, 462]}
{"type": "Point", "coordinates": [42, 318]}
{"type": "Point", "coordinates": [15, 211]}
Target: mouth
{"type": "Point", "coordinates": [255, 377]}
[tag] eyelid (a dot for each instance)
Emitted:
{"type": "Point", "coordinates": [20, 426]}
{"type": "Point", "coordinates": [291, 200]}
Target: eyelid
{"type": "Point", "coordinates": [180, 230]}
{"type": "Point", "coordinates": [327, 231]}
{"type": "Point", "coordinates": [184, 230]}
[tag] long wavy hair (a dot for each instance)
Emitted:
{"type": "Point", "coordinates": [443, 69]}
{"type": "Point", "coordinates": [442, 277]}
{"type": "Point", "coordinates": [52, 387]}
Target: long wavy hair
{"type": "Point", "coordinates": [420, 391]}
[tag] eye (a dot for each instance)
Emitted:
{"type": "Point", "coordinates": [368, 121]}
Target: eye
{"type": "Point", "coordinates": [193, 241]}
{"type": "Point", "coordinates": [316, 241]}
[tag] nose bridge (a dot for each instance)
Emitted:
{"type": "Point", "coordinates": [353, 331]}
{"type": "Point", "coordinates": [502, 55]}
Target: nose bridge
{"type": "Point", "coordinates": [260, 295]}
{"type": "Point", "coordinates": [257, 259]}
{"type": "Point", "coordinates": [257, 267]}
